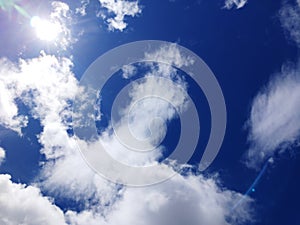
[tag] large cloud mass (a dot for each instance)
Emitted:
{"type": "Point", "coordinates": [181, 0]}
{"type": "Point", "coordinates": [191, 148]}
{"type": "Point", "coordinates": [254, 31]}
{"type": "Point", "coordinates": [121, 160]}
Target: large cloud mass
{"type": "Point", "coordinates": [192, 200]}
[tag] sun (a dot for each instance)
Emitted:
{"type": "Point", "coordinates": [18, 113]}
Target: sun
{"type": "Point", "coordinates": [45, 30]}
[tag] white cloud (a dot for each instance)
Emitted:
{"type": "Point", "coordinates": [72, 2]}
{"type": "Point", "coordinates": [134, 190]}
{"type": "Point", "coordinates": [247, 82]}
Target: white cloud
{"type": "Point", "coordinates": [2, 155]}
{"type": "Point", "coordinates": [67, 174]}
{"type": "Point", "coordinates": [61, 15]}
{"type": "Point", "coordinates": [9, 115]}
{"type": "Point", "coordinates": [235, 3]}
{"type": "Point", "coordinates": [20, 204]}
{"type": "Point", "coordinates": [117, 11]}
{"type": "Point", "coordinates": [128, 71]}
{"type": "Point", "coordinates": [82, 9]}
{"type": "Point", "coordinates": [45, 84]}
{"type": "Point", "coordinates": [57, 144]}
{"type": "Point", "coordinates": [290, 20]}
{"type": "Point", "coordinates": [180, 200]}
{"type": "Point", "coordinates": [274, 122]}
{"type": "Point", "coordinates": [133, 130]}
{"type": "Point", "coordinates": [120, 9]}
{"type": "Point", "coordinates": [171, 54]}
{"type": "Point", "coordinates": [189, 200]}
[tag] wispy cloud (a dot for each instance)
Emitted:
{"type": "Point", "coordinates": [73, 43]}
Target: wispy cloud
{"type": "Point", "coordinates": [2, 155]}
{"type": "Point", "coordinates": [82, 9]}
{"type": "Point", "coordinates": [61, 15]}
{"type": "Point", "coordinates": [229, 4]}
{"type": "Point", "coordinates": [274, 122]}
{"type": "Point", "coordinates": [290, 20]}
{"type": "Point", "coordinates": [9, 116]}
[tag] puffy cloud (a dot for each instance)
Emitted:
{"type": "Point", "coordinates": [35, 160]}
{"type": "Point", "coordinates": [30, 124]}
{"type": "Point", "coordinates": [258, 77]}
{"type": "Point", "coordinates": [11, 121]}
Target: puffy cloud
{"type": "Point", "coordinates": [290, 20]}
{"type": "Point", "coordinates": [235, 3]}
{"type": "Point", "coordinates": [120, 9]}
{"type": "Point", "coordinates": [21, 204]}
{"type": "Point", "coordinates": [2, 155]}
{"type": "Point", "coordinates": [68, 175]}
{"type": "Point", "coordinates": [45, 84]}
{"type": "Point", "coordinates": [128, 71]}
{"type": "Point", "coordinates": [117, 11]}
{"type": "Point", "coordinates": [190, 200]}
{"type": "Point", "coordinates": [274, 122]}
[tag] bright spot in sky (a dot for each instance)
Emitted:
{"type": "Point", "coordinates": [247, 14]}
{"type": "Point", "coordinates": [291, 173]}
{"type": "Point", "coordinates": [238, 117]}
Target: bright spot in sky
{"type": "Point", "coordinates": [45, 30]}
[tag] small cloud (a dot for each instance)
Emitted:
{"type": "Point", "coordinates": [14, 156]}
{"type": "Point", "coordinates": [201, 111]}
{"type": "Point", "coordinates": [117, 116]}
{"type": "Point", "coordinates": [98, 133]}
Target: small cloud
{"type": "Point", "coordinates": [114, 12]}
{"type": "Point", "coordinates": [290, 21]}
{"type": "Point", "coordinates": [128, 71]}
{"type": "Point", "coordinates": [82, 9]}
{"type": "Point", "coordinates": [235, 3]}
{"type": "Point", "coordinates": [120, 9]}
{"type": "Point", "coordinates": [167, 57]}
{"type": "Point", "coordinates": [2, 155]}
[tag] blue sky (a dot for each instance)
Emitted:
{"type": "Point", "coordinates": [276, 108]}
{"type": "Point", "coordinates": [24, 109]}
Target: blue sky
{"type": "Point", "coordinates": [50, 169]}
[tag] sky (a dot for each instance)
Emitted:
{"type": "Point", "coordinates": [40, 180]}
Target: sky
{"type": "Point", "coordinates": [117, 112]}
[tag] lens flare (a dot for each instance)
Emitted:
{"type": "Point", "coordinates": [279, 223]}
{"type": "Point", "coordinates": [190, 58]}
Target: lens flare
{"type": "Point", "coordinates": [9, 5]}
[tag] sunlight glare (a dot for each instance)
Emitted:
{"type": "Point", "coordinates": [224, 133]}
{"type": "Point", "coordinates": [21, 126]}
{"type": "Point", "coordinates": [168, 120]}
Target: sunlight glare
{"type": "Point", "coordinates": [45, 30]}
